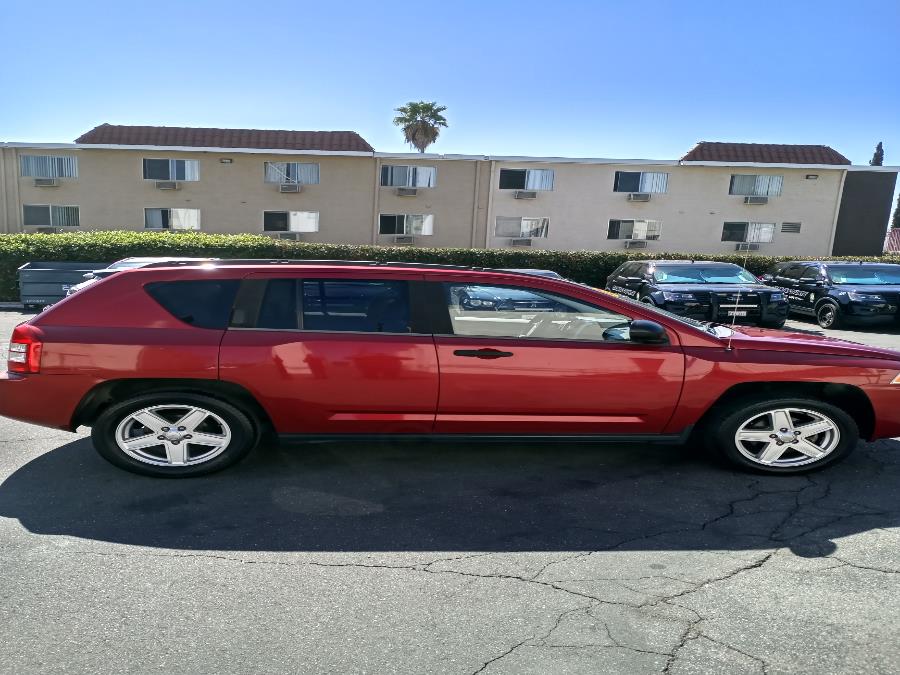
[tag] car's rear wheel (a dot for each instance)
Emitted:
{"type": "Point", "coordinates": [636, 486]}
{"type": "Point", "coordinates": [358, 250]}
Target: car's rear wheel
{"type": "Point", "coordinates": [785, 436]}
{"type": "Point", "coordinates": [828, 315]}
{"type": "Point", "coordinates": [173, 434]}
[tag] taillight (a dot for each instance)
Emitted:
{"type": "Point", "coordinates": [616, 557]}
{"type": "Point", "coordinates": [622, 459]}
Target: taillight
{"type": "Point", "coordinates": [24, 350]}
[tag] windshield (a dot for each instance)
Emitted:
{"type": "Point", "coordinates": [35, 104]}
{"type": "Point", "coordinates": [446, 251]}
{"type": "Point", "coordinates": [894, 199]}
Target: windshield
{"type": "Point", "coordinates": [699, 274]}
{"type": "Point", "coordinates": [865, 274]}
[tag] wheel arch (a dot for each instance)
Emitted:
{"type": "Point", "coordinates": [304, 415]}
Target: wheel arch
{"type": "Point", "coordinates": [847, 397]}
{"type": "Point", "coordinates": [105, 393]}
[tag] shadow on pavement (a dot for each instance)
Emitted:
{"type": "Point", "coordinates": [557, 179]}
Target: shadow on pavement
{"type": "Point", "coordinates": [458, 497]}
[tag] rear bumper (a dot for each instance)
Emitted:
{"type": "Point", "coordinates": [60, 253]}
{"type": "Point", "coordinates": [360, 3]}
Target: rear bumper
{"type": "Point", "coordinates": [46, 400]}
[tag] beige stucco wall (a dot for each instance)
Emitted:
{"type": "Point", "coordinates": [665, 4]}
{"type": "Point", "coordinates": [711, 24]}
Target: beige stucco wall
{"type": "Point", "coordinates": [450, 201]}
{"type": "Point", "coordinates": [112, 194]}
{"type": "Point", "coordinates": [693, 210]}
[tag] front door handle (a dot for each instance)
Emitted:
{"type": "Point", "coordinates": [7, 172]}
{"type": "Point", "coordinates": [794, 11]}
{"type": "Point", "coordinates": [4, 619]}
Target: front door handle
{"type": "Point", "coordinates": [482, 353]}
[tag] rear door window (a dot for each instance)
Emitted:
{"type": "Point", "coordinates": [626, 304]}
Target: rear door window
{"type": "Point", "coordinates": [204, 304]}
{"type": "Point", "coordinates": [342, 305]}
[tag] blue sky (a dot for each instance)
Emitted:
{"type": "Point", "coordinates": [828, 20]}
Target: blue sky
{"type": "Point", "coordinates": [587, 79]}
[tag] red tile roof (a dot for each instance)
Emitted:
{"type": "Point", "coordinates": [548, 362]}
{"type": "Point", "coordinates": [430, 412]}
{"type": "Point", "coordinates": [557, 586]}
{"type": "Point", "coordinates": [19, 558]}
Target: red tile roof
{"type": "Point", "coordinates": [764, 153]}
{"type": "Point", "coordinates": [267, 139]}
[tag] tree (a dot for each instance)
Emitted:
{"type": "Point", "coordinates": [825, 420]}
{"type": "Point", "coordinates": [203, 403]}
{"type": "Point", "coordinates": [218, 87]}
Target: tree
{"type": "Point", "coordinates": [878, 157]}
{"type": "Point", "coordinates": [895, 221]}
{"type": "Point", "coordinates": [421, 122]}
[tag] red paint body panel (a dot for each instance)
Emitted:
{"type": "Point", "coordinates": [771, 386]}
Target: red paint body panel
{"type": "Point", "coordinates": [546, 387]}
{"type": "Point", "coordinates": [319, 382]}
{"type": "Point", "coordinates": [330, 383]}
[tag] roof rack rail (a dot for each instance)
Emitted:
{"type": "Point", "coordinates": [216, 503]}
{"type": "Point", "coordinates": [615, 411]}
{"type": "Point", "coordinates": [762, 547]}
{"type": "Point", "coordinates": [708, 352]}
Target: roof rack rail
{"type": "Point", "coordinates": [288, 261]}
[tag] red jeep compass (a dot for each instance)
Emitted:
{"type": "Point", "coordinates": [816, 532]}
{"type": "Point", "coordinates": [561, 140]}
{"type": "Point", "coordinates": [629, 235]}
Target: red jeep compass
{"type": "Point", "coordinates": [180, 368]}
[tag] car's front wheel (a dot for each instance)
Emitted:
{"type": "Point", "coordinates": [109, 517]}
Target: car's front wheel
{"type": "Point", "coordinates": [783, 436]}
{"type": "Point", "coordinates": [173, 434]}
{"type": "Point", "coordinates": [828, 315]}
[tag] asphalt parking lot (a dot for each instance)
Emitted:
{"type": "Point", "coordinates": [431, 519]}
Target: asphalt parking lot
{"type": "Point", "coordinates": [411, 558]}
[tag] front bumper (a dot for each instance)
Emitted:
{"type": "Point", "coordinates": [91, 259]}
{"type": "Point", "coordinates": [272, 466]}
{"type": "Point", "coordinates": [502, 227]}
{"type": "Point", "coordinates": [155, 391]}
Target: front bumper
{"type": "Point", "coordinates": [753, 313]}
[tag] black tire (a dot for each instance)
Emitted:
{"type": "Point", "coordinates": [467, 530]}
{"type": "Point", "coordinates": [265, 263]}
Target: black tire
{"type": "Point", "coordinates": [222, 419]}
{"type": "Point", "coordinates": [722, 427]}
{"type": "Point", "coordinates": [828, 315]}
{"type": "Point", "coordinates": [773, 324]}
{"type": "Point", "coordinates": [647, 300]}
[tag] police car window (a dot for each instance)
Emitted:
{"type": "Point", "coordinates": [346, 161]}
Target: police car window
{"type": "Point", "coordinates": [515, 312]}
{"type": "Point", "coordinates": [810, 274]}
{"type": "Point", "coordinates": [699, 274]}
{"type": "Point", "coordinates": [865, 274]}
{"type": "Point", "coordinates": [793, 272]}
{"type": "Point", "coordinates": [630, 270]}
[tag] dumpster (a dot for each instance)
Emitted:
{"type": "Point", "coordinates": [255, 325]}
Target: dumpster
{"type": "Point", "coordinates": [43, 283]}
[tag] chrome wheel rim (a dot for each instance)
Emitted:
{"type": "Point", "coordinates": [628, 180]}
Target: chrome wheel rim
{"type": "Point", "coordinates": [173, 434]}
{"type": "Point", "coordinates": [826, 316]}
{"type": "Point", "coordinates": [786, 437]}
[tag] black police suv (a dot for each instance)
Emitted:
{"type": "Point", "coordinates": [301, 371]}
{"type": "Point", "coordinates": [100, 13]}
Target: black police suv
{"type": "Point", "coordinates": [838, 293]}
{"type": "Point", "coordinates": [707, 291]}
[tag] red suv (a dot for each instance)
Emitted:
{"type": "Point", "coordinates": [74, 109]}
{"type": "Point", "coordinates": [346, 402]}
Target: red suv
{"type": "Point", "coordinates": [180, 369]}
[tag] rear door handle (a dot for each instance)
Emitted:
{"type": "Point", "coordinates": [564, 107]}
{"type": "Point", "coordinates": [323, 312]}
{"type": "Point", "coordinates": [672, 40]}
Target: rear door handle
{"type": "Point", "coordinates": [482, 353]}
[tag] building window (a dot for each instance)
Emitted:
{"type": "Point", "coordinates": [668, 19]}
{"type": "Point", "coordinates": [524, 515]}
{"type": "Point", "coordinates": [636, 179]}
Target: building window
{"type": "Point", "coordinates": [48, 215]}
{"type": "Point", "coordinates": [751, 185]}
{"type": "Point", "coordinates": [398, 175]}
{"type": "Point", "coordinates": [633, 229]}
{"type": "Point", "coordinates": [290, 221]}
{"type": "Point", "coordinates": [641, 181]}
{"type": "Point", "coordinates": [791, 228]}
{"type": "Point", "coordinates": [295, 173]}
{"type": "Point", "coordinates": [172, 169]}
{"type": "Point", "coordinates": [48, 166]}
{"type": "Point", "coordinates": [755, 233]}
{"type": "Point", "coordinates": [172, 219]}
{"type": "Point", "coordinates": [526, 179]}
{"type": "Point", "coordinates": [406, 223]}
{"type": "Point", "coordinates": [531, 228]}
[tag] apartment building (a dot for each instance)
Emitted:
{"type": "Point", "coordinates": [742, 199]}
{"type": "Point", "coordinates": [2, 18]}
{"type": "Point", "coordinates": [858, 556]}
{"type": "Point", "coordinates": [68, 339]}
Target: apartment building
{"type": "Point", "coordinates": [332, 186]}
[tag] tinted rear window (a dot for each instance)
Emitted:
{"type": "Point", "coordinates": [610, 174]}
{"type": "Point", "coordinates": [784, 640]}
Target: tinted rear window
{"type": "Point", "coordinates": [205, 304]}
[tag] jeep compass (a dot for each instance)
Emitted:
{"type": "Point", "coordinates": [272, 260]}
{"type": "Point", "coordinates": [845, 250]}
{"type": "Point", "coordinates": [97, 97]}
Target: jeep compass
{"type": "Point", "coordinates": [179, 370]}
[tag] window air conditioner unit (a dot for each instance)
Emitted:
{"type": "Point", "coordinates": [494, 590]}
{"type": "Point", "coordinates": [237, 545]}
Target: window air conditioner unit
{"type": "Point", "coordinates": [525, 194]}
{"type": "Point", "coordinates": [524, 241]}
{"type": "Point", "coordinates": [166, 185]}
{"type": "Point", "coordinates": [756, 200]}
{"type": "Point", "coordinates": [41, 229]}
{"type": "Point", "coordinates": [404, 240]}
{"type": "Point", "coordinates": [290, 187]}
{"type": "Point", "coordinates": [288, 235]}
{"type": "Point", "coordinates": [638, 196]}
{"type": "Point", "coordinates": [746, 247]}
{"type": "Point", "coordinates": [636, 243]}
{"type": "Point", "coordinates": [407, 192]}
{"type": "Point", "coordinates": [45, 182]}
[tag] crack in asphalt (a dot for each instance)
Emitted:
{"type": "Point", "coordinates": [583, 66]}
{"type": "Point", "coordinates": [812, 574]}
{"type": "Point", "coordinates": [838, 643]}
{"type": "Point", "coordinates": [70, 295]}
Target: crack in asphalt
{"type": "Point", "coordinates": [804, 500]}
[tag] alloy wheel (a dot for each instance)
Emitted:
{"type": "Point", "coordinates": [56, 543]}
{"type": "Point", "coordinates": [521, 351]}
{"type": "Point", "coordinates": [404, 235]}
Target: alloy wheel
{"type": "Point", "coordinates": [173, 435]}
{"type": "Point", "coordinates": [827, 315]}
{"type": "Point", "coordinates": [787, 437]}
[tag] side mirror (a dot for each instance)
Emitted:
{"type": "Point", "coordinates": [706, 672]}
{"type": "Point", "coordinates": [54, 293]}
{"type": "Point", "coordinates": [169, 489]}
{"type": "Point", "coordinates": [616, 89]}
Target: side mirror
{"type": "Point", "coordinates": [647, 332]}
{"type": "Point", "coordinates": [89, 275]}
{"type": "Point", "coordinates": [820, 282]}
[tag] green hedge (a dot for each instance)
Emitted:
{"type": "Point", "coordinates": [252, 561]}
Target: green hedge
{"type": "Point", "coordinates": [590, 267]}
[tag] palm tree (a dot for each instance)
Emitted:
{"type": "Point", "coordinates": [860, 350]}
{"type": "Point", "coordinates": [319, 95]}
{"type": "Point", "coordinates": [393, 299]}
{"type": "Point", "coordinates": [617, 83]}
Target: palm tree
{"type": "Point", "coordinates": [421, 122]}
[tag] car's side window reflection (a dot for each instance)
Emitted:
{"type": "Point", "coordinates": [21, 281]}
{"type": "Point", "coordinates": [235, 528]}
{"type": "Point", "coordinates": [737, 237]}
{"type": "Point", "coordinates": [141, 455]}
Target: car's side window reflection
{"type": "Point", "coordinates": [515, 312]}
